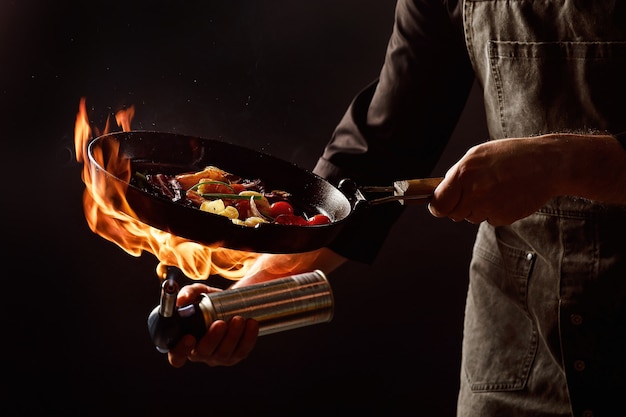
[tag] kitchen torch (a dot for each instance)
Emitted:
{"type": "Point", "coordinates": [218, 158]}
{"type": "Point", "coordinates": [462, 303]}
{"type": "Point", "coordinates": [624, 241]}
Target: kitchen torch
{"type": "Point", "coordinates": [278, 305]}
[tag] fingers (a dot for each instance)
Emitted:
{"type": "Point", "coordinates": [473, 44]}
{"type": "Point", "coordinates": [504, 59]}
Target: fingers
{"type": "Point", "coordinates": [460, 213]}
{"type": "Point", "coordinates": [178, 355]}
{"type": "Point", "coordinates": [209, 343]}
{"type": "Point", "coordinates": [449, 200]}
{"type": "Point", "coordinates": [190, 293]}
{"type": "Point", "coordinates": [476, 219]}
{"type": "Point", "coordinates": [446, 198]}
{"type": "Point", "coordinates": [224, 344]}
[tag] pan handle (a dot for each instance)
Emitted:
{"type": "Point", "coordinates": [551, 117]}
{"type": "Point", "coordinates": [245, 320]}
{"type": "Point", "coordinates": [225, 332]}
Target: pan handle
{"type": "Point", "coordinates": [352, 192]}
{"type": "Point", "coordinates": [408, 192]}
{"type": "Point", "coordinates": [417, 190]}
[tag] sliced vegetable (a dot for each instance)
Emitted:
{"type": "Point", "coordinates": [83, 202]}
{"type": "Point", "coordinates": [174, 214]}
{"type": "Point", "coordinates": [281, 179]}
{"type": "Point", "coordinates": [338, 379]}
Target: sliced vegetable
{"type": "Point", "coordinates": [230, 212]}
{"type": "Point", "coordinates": [213, 206]}
{"type": "Point", "coordinates": [253, 221]}
{"type": "Point", "coordinates": [254, 209]}
{"type": "Point", "coordinates": [231, 196]}
{"type": "Point", "coordinates": [259, 205]}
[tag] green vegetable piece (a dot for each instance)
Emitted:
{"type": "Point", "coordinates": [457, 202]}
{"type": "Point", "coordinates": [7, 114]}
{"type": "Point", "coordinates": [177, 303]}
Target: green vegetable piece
{"type": "Point", "coordinates": [231, 196]}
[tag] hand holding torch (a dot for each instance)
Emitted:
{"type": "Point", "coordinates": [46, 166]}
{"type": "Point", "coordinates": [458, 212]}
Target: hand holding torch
{"type": "Point", "coordinates": [278, 305]}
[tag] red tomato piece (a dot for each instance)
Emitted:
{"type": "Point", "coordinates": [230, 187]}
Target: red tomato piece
{"type": "Point", "coordinates": [243, 207]}
{"type": "Point", "coordinates": [291, 219]}
{"type": "Point", "coordinates": [318, 219]}
{"type": "Point", "coordinates": [280, 207]}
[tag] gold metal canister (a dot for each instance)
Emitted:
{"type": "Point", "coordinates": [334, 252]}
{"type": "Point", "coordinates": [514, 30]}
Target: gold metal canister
{"type": "Point", "coordinates": [278, 305]}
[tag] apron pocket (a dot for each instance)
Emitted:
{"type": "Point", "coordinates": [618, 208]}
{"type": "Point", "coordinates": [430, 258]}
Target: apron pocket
{"type": "Point", "coordinates": [500, 338]}
{"type": "Point", "coordinates": [544, 87]}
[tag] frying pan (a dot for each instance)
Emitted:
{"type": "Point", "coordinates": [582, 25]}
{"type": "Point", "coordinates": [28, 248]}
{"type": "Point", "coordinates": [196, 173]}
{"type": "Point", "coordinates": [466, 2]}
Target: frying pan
{"type": "Point", "coordinates": [152, 152]}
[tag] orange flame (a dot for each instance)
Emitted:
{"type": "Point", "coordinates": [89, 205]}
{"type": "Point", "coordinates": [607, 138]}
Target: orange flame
{"type": "Point", "coordinates": [105, 209]}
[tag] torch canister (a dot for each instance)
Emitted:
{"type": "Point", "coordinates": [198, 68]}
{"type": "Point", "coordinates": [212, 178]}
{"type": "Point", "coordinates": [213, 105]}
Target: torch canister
{"type": "Point", "coordinates": [278, 305]}
{"type": "Point", "coordinates": [281, 304]}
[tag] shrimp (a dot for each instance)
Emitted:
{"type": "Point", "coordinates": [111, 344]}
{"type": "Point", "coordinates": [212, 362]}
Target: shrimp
{"type": "Point", "coordinates": [210, 173]}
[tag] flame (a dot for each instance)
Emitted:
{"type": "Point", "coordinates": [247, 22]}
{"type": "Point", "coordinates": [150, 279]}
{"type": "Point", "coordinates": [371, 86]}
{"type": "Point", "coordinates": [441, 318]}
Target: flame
{"type": "Point", "coordinates": [109, 215]}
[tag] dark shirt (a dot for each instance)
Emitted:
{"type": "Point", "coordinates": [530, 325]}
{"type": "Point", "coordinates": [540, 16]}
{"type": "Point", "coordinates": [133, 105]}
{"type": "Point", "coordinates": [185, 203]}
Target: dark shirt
{"type": "Point", "coordinates": [398, 127]}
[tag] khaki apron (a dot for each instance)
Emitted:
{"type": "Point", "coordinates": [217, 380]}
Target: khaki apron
{"type": "Point", "coordinates": [545, 325]}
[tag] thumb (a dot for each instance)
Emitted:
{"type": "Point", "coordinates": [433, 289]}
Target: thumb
{"type": "Point", "coordinates": [190, 293]}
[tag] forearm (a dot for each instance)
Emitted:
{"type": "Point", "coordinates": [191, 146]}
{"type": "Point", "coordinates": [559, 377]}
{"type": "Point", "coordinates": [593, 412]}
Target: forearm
{"type": "Point", "coordinates": [505, 180]}
{"type": "Point", "coordinates": [271, 266]}
{"type": "Point", "coordinates": [593, 167]}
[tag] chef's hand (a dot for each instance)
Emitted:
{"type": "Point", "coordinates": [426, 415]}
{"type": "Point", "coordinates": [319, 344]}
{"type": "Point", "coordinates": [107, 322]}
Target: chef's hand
{"type": "Point", "coordinates": [500, 181]}
{"type": "Point", "coordinates": [224, 344]}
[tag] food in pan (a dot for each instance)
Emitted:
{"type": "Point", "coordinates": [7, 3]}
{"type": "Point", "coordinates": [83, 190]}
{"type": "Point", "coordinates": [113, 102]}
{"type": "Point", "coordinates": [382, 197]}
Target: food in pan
{"type": "Point", "coordinates": [246, 202]}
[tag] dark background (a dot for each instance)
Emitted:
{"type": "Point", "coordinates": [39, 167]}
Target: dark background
{"type": "Point", "coordinates": [271, 75]}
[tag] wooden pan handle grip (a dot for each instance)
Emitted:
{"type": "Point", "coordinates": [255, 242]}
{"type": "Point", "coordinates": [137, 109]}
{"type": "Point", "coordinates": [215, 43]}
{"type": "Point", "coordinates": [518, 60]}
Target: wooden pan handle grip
{"type": "Point", "coordinates": [424, 187]}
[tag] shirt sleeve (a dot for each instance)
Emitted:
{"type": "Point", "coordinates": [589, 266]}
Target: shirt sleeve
{"type": "Point", "coordinates": [398, 126]}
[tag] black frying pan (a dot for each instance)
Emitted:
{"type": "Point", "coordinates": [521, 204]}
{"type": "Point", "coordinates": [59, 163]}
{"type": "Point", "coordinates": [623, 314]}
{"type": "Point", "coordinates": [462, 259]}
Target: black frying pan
{"type": "Point", "coordinates": [157, 152]}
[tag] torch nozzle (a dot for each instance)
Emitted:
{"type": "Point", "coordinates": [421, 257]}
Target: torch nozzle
{"type": "Point", "coordinates": [169, 293]}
